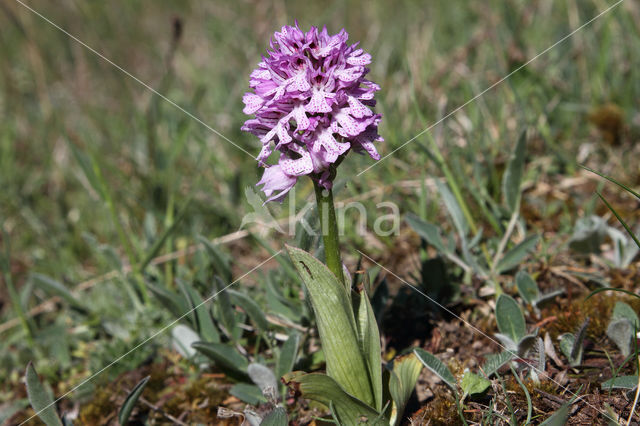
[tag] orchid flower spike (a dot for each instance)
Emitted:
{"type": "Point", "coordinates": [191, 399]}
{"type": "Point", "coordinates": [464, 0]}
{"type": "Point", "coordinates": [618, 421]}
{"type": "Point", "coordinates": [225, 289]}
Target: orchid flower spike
{"type": "Point", "coordinates": [312, 104]}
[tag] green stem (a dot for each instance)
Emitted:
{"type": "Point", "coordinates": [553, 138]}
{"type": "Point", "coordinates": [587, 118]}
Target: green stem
{"type": "Point", "coordinates": [329, 226]}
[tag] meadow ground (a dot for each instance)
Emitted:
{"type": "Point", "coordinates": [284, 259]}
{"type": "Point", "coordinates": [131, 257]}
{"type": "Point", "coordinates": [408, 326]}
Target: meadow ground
{"type": "Point", "coordinates": [121, 156]}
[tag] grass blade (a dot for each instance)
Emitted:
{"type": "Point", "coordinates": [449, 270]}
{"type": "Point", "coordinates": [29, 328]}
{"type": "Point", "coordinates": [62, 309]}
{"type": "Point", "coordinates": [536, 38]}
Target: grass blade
{"type": "Point", "coordinates": [610, 179]}
{"type": "Point", "coordinates": [626, 227]}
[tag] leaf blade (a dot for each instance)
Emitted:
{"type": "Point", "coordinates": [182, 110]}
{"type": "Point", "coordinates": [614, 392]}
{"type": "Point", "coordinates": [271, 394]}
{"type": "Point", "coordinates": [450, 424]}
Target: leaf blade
{"type": "Point", "coordinates": [512, 179]}
{"type": "Point", "coordinates": [436, 366]}
{"type": "Point", "coordinates": [40, 400]}
{"type": "Point", "coordinates": [336, 325]}
{"type": "Point", "coordinates": [130, 401]}
{"type": "Point", "coordinates": [509, 318]}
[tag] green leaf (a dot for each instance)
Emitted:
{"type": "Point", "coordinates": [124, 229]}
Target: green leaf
{"type": "Point", "coordinates": [435, 365]}
{"type": "Point", "coordinates": [263, 377]}
{"type": "Point", "coordinates": [495, 362]}
{"type": "Point", "coordinates": [559, 418]}
{"type": "Point", "coordinates": [130, 402]}
{"type": "Point", "coordinates": [527, 287]}
{"type": "Point", "coordinates": [512, 179]}
{"type": "Point", "coordinates": [428, 231]}
{"type": "Point", "coordinates": [52, 286]}
{"type": "Point", "coordinates": [545, 298]}
{"type": "Point", "coordinates": [510, 318]}
{"type": "Point", "coordinates": [620, 332]}
{"type": "Point", "coordinates": [369, 338]}
{"type": "Point", "coordinates": [526, 344]}
{"type": "Point", "coordinates": [622, 310]}
{"type": "Point", "coordinates": [336, 325]}
{"type": "Point", "coordinates": [220, 261]}
{"type": "Point", "coordinates": [515, 256]}
{"type": "Point", "coordinates": [620, 382]}
{"type": "Point", "coordinates": [572, 345]}
{"type": "Point", "coordinates": [402, 382]}
{"type": "Point", "coordinates": [576, 351]}
{"type": "Point", "coordinates": [40, 399]}
{"type": "Point", "coordinates": [566, 342]}
{"type": "Point", "coordinates": [11, 408]}
{"type": "Point", "coordinates": [323, 389]}
{"type": "Point", "coordinates": [200, 311]}
{"type": "Point", "coordinates": [251, 308]}
{"type": "Point", "coordinates": [457, 216]}
{"type": "Point", "coordinates": [160, 241]}
{"type": "Point", "coordinates": [226, 358]}
{"type": "Point", "coordinates": [588, 235]}
{"type": "Point", "coordinates": [251, 394]}
{"type": "Point", "coordinates": [86, 163]}
{"type": "Point", "coordinates": [281, 306]}
{"type": "Point", "coordinates": [183, 337]}
{"type": "Point", "coordinates": [288, 354]}
{"type": "Point", "coordinates": [226, 314]}
{"type": "Point", "coordinates": [171, 301]}
{"type": "Point", "coordinates": [277, 417]}
{"type": "Point", "coordinates": [472, 383]}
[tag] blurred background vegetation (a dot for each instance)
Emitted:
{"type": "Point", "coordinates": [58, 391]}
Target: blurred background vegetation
{"type": "Point", "coordinates": [58, 97]}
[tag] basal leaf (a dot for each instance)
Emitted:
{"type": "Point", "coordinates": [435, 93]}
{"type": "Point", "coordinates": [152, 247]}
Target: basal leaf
{"type": "Point", "coordinates": [52, 286]}
{"type": "Point", "coordinates": [588, 235]}
{"type": "Point", "coordinates": [559, 418]}
{"type": "Point", "coordinates": [495, 361]}
{"type": "Point", "coordinates": [450, 202]}
{"type": "Point", "coordinates": [40, 399]}
{"type": "Point", "coordinates": [472, 383]}
{"type": "Point", "coordinates": [130, 401]}
{"type": "Point", "coordinates": [204, 322]}
{"type": "Point", "coordinates": [288, 353]}
{"type": "Point", "coordinates": [620, 382]}
{"type": "Point", "coordinates": [576, 352]}
{"type": "Point", "coordinates": [173, 302]}
{"type": "Point", "coordinates": [516, 255]}
{"type": "Point", "coordinates": [263, 377]}
{"type": "Point", "coordinates": [220, 260]}
{"type": "Point", "coordinates": [336, 325]}
{"type": "Point", "coordinates": [620, 332]}
{"type": "Point", "coordinates": [247, 392]}
{"type": "Point", "coordinates": [224, 309]}
{"type": "Point", "coordinates": [251, 308]}
{"type": "Point", "coordinates": [226, 358]}
{"type": "Point", "coordinates": [510, 318]}
{"type": "Point", "coordinates": [402, 382]}
{"type": "Point", "coordinates": [512, 178]}
{"type": "Point", "coordinates": [527, 287]}
{"type": "Point", "coordinates": [622, 310]}
{"type": "Point", "coordinates": [183, 337]}
{"type": "Point", "coordinates": [349, 410]}
{"type": "Point", "coordinates": [369, 338]}
{"type": "Point", "coordinates": [428, 231]}
{"type": "Point", "coordinates": [277, 417]}
{"type": "Point", "coordinates": [436, 366]}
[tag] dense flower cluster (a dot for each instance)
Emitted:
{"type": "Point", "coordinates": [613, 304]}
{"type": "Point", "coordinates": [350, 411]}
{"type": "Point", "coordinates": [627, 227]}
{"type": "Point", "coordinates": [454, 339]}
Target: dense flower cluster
{"type": "Point", "coordinates": [311, 103]}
